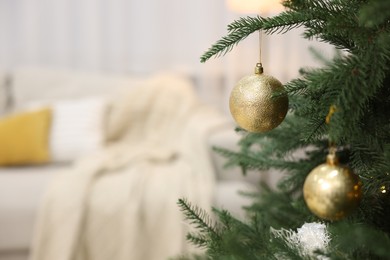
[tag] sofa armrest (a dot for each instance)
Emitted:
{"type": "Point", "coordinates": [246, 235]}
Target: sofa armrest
{"type": "Point", "coordinates": [21, 190]}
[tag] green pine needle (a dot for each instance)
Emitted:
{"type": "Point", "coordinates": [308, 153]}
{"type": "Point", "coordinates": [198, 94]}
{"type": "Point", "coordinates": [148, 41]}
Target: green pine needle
{"type": "Point", "coordinates": [198, 217]}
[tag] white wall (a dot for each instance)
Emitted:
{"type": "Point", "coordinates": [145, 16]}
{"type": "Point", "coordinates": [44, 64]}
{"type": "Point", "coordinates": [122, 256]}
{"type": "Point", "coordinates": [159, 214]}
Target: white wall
{"type": "Point", "coordinates": [144, 36]}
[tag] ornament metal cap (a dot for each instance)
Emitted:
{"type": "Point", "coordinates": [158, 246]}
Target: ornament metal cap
{"type": "Point", "coordinates": [332, 159]}
{"type": "Point", "coordinates": [259, 68]}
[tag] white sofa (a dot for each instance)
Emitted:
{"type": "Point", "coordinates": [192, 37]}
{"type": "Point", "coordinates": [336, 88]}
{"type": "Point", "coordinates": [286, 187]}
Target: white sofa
{"type": "Point", "coordinates": [21, 188]}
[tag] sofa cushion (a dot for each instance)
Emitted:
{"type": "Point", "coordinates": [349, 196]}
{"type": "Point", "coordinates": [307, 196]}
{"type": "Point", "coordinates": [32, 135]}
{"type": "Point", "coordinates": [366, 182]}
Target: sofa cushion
{"type": "Point", "coordinates": [21, 190]}
{"type": "Point", "coordinates": [77, 128]}
{"type": "Point", "coordinates": [24, 138]}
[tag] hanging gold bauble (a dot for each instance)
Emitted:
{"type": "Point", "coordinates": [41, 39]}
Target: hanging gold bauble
{"type": "Point", "coordinates": [332, 191]}
{"type": "Point", "coordinates": [253, 103]}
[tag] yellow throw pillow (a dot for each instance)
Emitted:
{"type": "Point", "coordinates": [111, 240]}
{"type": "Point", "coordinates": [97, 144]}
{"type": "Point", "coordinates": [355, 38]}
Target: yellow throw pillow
{"type": "Point", "coordinates": [24, 138]}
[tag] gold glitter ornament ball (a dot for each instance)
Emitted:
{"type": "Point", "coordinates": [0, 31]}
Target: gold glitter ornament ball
{"type": "Point", "coordinates": [332, 191]}
{"type": "Point", "coordinates": [254, 105]}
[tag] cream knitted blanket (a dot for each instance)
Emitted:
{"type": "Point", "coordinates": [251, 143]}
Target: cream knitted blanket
{"type": "Point", "coordinates": [120, 203]}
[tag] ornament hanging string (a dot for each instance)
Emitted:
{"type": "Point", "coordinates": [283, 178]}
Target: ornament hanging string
{"type": "Point", "coordinates": [332, 145]}
{"type": "Point", "coordinates": [260, 42]}
{"type": "Point", "coordinates": [259, 65]}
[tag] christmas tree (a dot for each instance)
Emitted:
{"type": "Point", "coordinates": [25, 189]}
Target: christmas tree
{"type": "Point", "coordinates": [341, 110]}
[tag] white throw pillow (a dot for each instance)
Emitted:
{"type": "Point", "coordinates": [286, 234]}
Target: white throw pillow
{"type": "Point", "coordinates": [77, 128]}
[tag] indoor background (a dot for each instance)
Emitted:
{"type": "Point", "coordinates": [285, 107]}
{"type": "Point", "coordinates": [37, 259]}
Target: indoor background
{"type": "Point", "coordinates": [143, 37]}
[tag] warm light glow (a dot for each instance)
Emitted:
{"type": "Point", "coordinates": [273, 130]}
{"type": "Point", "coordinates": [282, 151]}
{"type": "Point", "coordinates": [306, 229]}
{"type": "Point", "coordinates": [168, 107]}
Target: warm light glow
{"type": "Point", "coordinates": [325, 186]}
{"type": "Point", "coordinates": [333, 174]}
{"type": "Point", "coordinates": [255, 6]}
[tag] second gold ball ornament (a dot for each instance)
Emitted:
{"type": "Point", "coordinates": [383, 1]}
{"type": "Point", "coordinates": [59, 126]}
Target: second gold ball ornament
{"type": "Point", "coordinates": [332, 191]}
{"type": "Point", "coordinates": [258, 102]}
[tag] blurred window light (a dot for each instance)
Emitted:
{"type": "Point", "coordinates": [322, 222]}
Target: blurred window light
{"type": "Point", "coordinates": [255, 6]}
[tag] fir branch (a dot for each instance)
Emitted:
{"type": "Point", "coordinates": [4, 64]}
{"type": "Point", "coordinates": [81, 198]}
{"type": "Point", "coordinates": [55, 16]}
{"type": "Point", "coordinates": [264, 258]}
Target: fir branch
{"type": "Point", "coordinates": [247, 24]}
{"type": "Point", "coordinates": [242, 28]}
{"type": "Point", "coordinates": [240, 240]}
{"type": "Point", "coordinates": [361, 78]}
{"type": "Point", "coordinates": [321, 58]}
{"type": "Point", "coordinates": [245, 160]}
{"type": "Point", "coordinates": [276, 209]}
{"type": "Point", "coordinates": [296, 87]}
{"type": "Point", "coordinates": [224, 45]}
{"type": "Point", "coordinates": [197, 240]}
{"type": "Point", "coordinates": [317, 130]}
{"type": "Point", "coordinates": [281, 23]}
{"type": "Point", "coordinates": [364, 240]}
{"type": "Point", "coordinates": [198, 217]}
{"type": "Point", "coordinates": [375, 13]}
